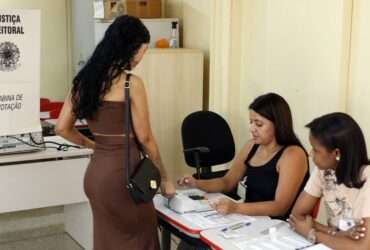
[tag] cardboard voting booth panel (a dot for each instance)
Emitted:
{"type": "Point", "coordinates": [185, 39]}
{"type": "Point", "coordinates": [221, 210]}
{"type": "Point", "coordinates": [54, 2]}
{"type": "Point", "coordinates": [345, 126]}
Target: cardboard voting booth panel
{"type": "Point", "coordinates": [19, 73]}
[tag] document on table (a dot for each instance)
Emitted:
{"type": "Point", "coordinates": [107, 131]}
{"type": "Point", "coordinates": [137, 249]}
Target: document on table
{"type": "Point", "coordinates": [318, 247]}
{"type": "Point", "coordinates": [212, 219]}
{"type": "Point", "coordinates": [278, 242]}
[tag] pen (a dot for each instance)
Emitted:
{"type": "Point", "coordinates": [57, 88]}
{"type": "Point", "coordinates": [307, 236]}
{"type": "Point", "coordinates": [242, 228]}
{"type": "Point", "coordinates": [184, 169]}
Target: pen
{"type": "Point", "coordinates": [211, 214]}
{"type": "Point", "coordinates": [236, 226]}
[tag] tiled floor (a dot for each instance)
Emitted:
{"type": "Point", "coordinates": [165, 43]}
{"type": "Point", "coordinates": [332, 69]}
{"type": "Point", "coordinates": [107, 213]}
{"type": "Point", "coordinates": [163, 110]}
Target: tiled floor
{"type": "Point", "coordinates": [54, 242]}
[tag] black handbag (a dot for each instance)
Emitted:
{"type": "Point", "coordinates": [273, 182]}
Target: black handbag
{"type": "Point", "coordinates": [143, 183]}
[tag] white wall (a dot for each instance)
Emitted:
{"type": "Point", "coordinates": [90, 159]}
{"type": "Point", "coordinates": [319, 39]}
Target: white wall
{"type": "Point", "coordinates": [55, 73]}
{"type": "Point", "coordinates": [195, 18]}
{"type": "Point", "coordinates": [298, 49]}
{"type": "Point", "coordinates": [359, 81]}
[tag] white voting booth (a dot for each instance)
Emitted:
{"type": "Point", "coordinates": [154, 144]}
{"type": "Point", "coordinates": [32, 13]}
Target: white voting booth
{"type": "Point", "coordinates": [19, 80]}
{"type": "Point", "coordinates": [35, 179]}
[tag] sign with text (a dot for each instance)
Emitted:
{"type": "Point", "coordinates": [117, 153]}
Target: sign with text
{"type": "Point", "coordinates": [19, 71]}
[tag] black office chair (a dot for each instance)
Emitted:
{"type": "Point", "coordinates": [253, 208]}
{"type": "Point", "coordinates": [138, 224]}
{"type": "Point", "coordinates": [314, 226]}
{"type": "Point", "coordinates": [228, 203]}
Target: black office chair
{"type": "Point", "coordinates": [207, 141]}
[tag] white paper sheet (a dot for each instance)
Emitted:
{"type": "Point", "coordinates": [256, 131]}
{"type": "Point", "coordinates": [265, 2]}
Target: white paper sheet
{"type": "Point", "coordinates": [212, 219]}
{"type": "Point", "coordinates": [279, 242]}
{"type": "Point", "coordinates": [319, 247]}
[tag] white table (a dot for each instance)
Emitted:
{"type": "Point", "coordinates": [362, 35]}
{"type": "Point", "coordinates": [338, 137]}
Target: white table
{"type": "Point", "coordinates": [175, 219]}
{"type": "Point", "coordinates": [255, 236]}
{"type": "Point", "coordinates": [49, 178]}
{"type": "Point", "coordinates": [174, 223]}
{"type": "Point", "coordinates": [184, 226]}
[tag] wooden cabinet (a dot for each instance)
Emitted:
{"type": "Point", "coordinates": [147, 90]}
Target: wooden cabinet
{"type": "Point", "coordinates": [174, 85]}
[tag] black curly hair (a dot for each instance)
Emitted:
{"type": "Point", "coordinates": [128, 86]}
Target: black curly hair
{"type": "Point", "coordinates": [111, 57]}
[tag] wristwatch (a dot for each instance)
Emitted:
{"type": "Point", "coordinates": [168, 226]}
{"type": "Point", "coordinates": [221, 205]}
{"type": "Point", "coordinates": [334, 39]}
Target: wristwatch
{"type": "Point", "coordinates": [311, 236]}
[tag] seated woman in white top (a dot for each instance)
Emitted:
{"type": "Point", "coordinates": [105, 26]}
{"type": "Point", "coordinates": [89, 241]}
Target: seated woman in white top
{"type": "Point", "coordinates": [341, 179]}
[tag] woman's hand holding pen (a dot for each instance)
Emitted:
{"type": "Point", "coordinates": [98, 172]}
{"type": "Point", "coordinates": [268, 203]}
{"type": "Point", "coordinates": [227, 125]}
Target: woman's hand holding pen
{"type": "Point", "coordinates": [188, 181]}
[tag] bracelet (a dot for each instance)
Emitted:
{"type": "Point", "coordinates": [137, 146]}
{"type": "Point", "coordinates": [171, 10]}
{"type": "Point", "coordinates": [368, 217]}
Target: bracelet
{"type": "Point", "coordinates": [311, 236]}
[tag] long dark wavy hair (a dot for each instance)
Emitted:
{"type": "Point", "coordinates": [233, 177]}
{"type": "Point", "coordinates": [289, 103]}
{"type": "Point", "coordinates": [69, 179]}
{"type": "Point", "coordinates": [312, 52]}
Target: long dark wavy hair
{"type": "Point", "coordinates": [110, 58]}
{"type": "Point", "coordinates": [274, 108]}
{"type": "Point", "coordinates": [339, 130]}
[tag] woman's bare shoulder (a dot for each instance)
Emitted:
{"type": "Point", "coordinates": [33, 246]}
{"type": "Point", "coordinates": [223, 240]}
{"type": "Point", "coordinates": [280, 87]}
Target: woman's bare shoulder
{"type": "Point", "coordinates": [136, 80]}
{"type": "Point", "coordinates": [293, 155]}
{"type": "Point", "coordinates": [294, 150]}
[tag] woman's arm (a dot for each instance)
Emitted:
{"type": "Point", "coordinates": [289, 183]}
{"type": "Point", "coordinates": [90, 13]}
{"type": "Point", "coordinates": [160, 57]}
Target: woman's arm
{"type": "Point", "coordinates": [141, 124]}
{"type": "Point", "coordinates": [302, 209]}
{"type": "Point", "coordinates": [304, 205]}
{"type": "Point", "coordinates": [292, 168]}
{"type": "Point", "coordinates": [225, 183]}
{"type": "Point", "coordinates": [65, 126]}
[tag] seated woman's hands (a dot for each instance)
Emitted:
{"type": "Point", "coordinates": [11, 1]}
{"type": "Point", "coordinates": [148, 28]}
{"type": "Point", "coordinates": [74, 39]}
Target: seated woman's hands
{"type": "Point", "coordinates": [303, 225]}
{"type": "Point", "coordinates": [224, 206]}
{"type": "Point", "coordinates": [187, 181]}
{"type": "Point", "coordinates": [356, 233]}
{"type": "Point", "coordinates": [168, 190]}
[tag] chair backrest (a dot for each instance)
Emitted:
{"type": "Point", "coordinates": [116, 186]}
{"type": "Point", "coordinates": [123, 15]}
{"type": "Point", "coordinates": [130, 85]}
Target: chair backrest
{"type": "Point", "coordinates": [210, 130]}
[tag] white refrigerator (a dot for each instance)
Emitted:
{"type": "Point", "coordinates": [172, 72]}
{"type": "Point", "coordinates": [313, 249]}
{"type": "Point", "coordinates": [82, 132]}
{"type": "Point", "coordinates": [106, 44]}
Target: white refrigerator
{"type": "Point", "coordinates": [159, 28]}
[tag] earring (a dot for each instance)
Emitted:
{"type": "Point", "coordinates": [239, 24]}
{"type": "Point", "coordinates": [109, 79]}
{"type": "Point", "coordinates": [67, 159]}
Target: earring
{"type": "Point", "coordinates": [337, 158]}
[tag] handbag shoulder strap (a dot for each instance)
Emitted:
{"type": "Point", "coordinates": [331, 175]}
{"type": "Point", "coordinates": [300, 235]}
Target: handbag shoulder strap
{"type": "Point", "coordinates": [128, 125]}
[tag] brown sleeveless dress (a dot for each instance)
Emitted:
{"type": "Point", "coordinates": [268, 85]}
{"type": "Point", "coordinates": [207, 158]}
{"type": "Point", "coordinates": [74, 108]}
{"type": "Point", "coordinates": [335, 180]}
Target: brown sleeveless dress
{"type": "Point", "coordinates": [119, 223]}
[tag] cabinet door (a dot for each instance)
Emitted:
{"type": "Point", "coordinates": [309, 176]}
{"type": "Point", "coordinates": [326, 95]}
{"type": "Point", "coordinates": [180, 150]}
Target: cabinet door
{"type": "Point", "coordinates": [174, 85]}
{"type": "Point", "coordinates": [42, 184]}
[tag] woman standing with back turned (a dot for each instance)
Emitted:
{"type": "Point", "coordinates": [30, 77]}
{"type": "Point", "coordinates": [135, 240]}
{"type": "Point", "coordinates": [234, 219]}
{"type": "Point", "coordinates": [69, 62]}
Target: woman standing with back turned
{"type": "Point", "coordinates": [97, 95]}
